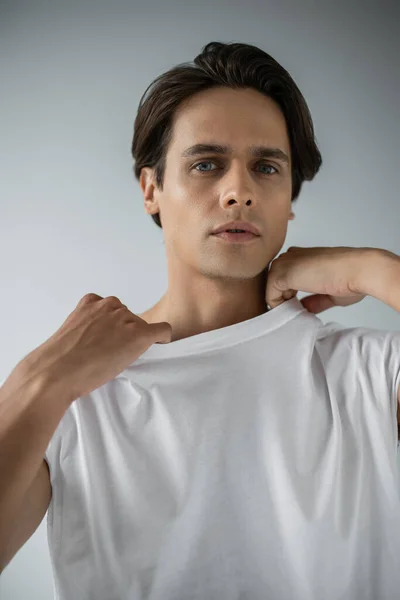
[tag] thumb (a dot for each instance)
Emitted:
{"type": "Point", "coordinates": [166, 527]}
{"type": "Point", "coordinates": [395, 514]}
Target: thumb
{"type": "Point", "coordinates": [160, 332]}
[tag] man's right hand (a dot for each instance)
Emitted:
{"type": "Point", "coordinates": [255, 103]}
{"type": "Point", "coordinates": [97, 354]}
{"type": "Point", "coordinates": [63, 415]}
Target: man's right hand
{"type": "Point", "coordinates": [96, 342]}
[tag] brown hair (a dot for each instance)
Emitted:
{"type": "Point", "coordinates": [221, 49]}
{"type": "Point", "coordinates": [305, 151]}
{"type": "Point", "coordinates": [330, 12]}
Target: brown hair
{"type": "Point", "coordinates": [233, 65]}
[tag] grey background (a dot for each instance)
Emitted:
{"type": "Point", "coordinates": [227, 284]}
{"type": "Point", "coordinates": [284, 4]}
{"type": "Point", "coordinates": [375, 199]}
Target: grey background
{"type": "Point", "coordinates": [71, 213]}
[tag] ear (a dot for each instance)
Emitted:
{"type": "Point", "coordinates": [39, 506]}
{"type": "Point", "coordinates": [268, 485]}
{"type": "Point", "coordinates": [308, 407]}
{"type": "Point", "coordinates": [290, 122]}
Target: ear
{"type": "Point", "coordinates": [148, 187]}
{"type": "Point", "coordinates": [292, 216]}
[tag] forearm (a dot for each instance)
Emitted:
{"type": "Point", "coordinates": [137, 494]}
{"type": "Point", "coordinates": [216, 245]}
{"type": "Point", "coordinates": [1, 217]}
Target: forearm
{"type": "Point", "coordinates": [380, 277]}
{"type": "Point", "coordinates": [31, 407]}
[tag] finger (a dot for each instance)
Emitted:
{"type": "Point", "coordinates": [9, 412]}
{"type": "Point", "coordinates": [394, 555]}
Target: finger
{"type": "Point", "coordinates": [281, 297]}
{"type": "Point", "coordinates": [289, 294]}
{"type": "Point", "coordinates": [160, 332]}
{"type": "Point", "coordinates": [317, 303]}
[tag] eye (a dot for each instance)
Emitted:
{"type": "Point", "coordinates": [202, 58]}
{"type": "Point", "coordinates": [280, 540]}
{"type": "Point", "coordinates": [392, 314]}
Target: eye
{"type": "Point", "coordinates": [204, 162]}
{"type": "Point", "coordinates": [208, 162]}
{"type": "Point", "coordinates": [269, 167]}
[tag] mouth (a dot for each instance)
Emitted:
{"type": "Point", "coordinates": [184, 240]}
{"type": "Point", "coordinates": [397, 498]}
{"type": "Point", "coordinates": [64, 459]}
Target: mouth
{"type": "Point", "coordinates": [245, 236]}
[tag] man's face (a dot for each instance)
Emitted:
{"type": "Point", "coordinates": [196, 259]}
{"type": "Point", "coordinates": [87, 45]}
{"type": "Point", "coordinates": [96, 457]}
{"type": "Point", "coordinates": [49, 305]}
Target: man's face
{"type": "Point", "coordinates": [204, 191]}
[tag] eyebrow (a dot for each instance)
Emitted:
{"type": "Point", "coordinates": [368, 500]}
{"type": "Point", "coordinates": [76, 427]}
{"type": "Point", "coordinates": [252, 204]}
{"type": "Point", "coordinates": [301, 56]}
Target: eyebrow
{"type": "Point", "coordinates": [256, 151]}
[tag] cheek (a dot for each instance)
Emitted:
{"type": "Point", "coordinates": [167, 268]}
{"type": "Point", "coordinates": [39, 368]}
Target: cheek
{"type": "Point", "coordinates": [276, 228]}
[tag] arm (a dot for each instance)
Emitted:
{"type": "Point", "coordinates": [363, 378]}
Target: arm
{"type": "Point", "coordinates": [32, 404]}
{"type": "Point", "coordinates": [380, 277]}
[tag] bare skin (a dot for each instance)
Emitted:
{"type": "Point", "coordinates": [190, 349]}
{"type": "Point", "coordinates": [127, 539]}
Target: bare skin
{"type": "Point", "coordinates": [211, 283]}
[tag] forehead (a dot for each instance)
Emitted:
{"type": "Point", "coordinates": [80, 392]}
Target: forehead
{"type": "Point", "coordinates": [238, 118]}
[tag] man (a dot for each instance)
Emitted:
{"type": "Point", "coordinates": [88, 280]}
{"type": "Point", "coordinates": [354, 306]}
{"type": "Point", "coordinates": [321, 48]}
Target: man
{"type": "Point", "coordinates": [253, 456]}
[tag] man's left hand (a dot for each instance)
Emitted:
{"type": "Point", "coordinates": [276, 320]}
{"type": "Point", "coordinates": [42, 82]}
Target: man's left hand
{"type": "Point", "coordinates": [331, 275]}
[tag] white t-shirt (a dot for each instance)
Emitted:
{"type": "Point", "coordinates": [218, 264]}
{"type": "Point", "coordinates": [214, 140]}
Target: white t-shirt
{"type": "Point", "coordinates": [253, 462]}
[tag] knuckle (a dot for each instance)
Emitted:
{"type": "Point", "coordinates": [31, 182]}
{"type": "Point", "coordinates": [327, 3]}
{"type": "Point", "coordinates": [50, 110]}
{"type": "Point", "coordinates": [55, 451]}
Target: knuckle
{"type": "Point", "coordinates": [90, 297]}
{"type": "Point", "coordinates": [122, 309]}
{"type": "Point", "coordinates": [112, 300]}
{"type": "Point", "coordinates": [112, 303]}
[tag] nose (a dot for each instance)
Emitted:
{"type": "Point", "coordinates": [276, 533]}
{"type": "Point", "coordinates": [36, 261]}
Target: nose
{"type": "Point", "coordinates": [239, 192]}
{"type": "Point", "coordinates": [241, 202]}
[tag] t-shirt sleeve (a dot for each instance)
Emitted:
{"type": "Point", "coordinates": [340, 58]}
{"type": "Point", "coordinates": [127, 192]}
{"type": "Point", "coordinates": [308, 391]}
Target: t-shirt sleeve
{"type": "Point", "coordinates": [383, 363]}
{"type": "Point", "coordinates": [372, 363]}
{"type": "Point", "coordinates": [391, 362]}
{"type": "Point", "coordinates": [53, 449]}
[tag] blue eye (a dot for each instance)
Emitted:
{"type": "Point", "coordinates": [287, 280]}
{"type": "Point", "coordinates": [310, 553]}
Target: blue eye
{"type": "Point", "coordinates": [208, 162]}
{"type": "Point", "coordinates": [269, 167]}
{"type": "Point", "coordinates": [203, 163]}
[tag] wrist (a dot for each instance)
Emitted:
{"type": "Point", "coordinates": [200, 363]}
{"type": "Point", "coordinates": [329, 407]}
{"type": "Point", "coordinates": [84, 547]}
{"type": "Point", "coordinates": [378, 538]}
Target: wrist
{"type": "Point", "coordinates": [45, 377]}
{"type": "Point", "coordinates": [379, 275]}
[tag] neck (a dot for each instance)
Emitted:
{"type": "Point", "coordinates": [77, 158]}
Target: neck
{"type": "Point", "coordinates": [191, 312]}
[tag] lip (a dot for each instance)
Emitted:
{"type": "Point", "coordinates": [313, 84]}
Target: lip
{"type": "Point", "coordinates": [245, 225]}
{"type": "Point", "coordinates": [236, 238]}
